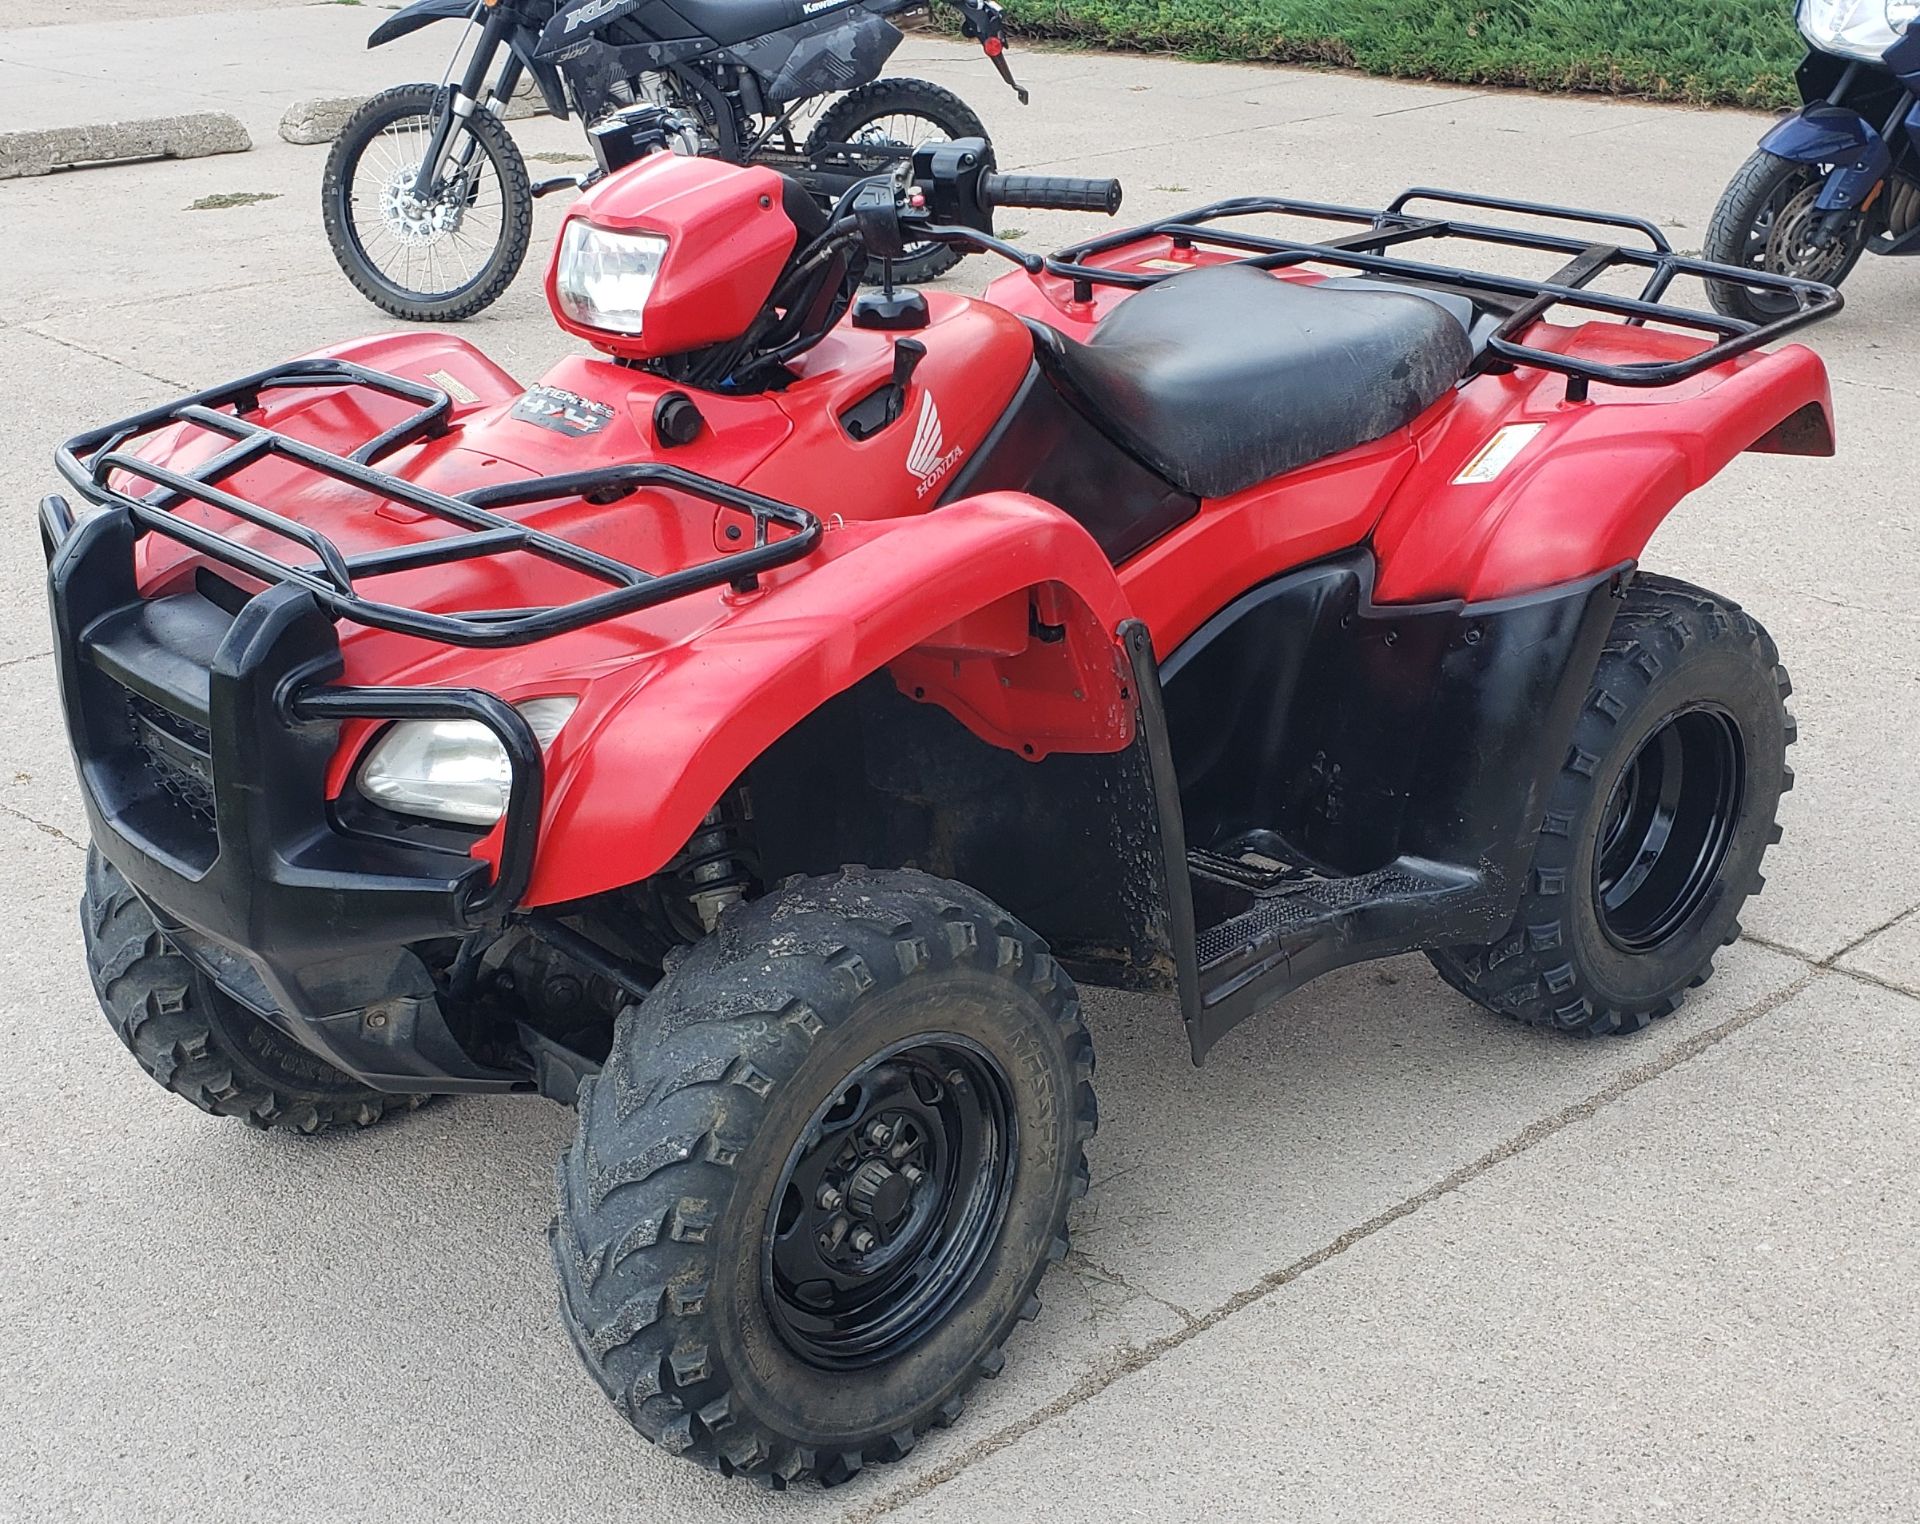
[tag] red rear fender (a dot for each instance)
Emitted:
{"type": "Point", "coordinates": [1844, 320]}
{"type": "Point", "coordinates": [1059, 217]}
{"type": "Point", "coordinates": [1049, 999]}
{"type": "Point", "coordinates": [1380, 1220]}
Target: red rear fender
{"type": "Point", "coordinates": [948, 601]}
{"type": "Point", "coordinates": [1585, 483]}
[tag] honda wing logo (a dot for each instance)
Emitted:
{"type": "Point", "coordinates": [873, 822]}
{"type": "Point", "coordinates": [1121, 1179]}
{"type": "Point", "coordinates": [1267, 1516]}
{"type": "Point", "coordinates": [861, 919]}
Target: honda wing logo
{"type": "Point", "coordinates": [928, 458]}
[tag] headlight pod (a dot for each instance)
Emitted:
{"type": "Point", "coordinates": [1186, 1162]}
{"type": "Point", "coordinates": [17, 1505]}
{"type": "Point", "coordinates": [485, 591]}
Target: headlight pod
{"type": "Point", "coordinates": [603, 278]}
{"type": "Point", "coordinates": [1862, 29]}
{"type": "Point", "coordinates": [452, 770]}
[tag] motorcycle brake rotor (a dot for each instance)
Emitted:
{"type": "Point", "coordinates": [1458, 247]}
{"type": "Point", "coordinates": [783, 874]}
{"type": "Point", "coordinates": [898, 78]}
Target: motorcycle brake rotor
{"type": "Point", "coordinates": [1793, 245]}
{"type": "Point", "coordinates": [410, 220]}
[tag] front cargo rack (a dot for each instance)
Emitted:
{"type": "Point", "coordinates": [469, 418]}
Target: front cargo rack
{"type": "Point", "coordinates": [1526, 301]}
{"type": "Point", "coordinates": [89, 460]}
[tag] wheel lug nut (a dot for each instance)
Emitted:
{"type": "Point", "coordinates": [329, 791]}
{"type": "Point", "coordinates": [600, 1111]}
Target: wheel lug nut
{"type": "Point", "coordinates": [829, 1198]}
{"type": "Point", "coordinates": [862, 1240]}
{"type": "Point", "coordinates": [878, 1133]}
{"type": "Point", "coordinates": [912, 1173]}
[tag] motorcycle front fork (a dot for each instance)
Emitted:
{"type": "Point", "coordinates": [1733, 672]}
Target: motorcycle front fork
{"type": "Point", "coordinates": [462, 100]}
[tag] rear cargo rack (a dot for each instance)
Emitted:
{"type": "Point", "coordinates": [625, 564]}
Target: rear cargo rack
{"type": "Point", "coordinates": [1528, 300]}
{"type": "Point", "coordinates": [89, 460]}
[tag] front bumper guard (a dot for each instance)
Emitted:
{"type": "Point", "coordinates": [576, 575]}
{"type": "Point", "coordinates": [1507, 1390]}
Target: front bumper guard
{"type": "Point", "coordinates": [243, 860]}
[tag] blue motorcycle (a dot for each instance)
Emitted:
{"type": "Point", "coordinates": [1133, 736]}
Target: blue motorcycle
{"type": "Point", "coordinates": [1841, 177]}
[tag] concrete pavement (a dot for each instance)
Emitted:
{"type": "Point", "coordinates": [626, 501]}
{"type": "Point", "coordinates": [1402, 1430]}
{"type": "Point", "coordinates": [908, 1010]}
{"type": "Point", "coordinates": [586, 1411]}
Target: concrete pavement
{"type": "Point", "coordinates": [1383, 1258]}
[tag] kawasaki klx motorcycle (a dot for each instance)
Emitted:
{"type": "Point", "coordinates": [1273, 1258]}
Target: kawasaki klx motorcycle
{"type": "Point", "coordinates": [428, 204]}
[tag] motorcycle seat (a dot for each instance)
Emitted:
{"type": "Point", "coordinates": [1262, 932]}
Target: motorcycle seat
{"type": "Point", "coordinates": [1222, 377]}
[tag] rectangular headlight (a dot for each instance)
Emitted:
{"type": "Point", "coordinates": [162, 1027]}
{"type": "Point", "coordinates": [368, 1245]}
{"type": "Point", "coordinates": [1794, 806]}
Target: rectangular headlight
{"type": "Point", "coordinates": [603, 278]}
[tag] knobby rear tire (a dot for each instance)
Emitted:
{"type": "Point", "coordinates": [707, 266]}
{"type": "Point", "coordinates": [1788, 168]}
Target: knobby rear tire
{"type": "Point", "coordinates": [1674, 649]}
{"type": "Point", "coordinates": [898, 97]}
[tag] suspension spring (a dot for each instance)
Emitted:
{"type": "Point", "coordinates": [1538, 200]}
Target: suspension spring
{"type": "Point", "coordinates": [717, 868]}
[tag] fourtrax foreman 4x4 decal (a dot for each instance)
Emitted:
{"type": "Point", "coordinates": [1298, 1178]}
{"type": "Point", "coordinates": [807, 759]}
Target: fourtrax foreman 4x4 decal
{"type": "Point", "coordinates": [565, 412]}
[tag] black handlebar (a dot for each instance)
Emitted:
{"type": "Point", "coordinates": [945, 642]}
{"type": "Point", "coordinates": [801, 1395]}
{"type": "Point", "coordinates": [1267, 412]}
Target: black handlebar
{"type": "Point", "coordinates": [1058, 193]}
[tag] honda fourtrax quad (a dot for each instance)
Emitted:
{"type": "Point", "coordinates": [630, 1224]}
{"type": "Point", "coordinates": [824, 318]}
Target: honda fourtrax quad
{"type": "Point", "coordinates": [1202, 611]}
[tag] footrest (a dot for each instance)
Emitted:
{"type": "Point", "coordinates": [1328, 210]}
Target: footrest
{"type": "Point", "coordinates": [1287, 912]}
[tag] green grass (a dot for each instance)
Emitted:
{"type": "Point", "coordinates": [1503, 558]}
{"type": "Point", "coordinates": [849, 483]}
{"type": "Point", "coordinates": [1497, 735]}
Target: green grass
{"type": "Point", "coordinates": [1727, 52]}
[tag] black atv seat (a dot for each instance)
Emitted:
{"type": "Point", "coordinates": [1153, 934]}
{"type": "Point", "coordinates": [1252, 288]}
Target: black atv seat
{"type": "Point", "coordinates": [731, 21]}
{"type": "Point", "coordinates": [1225, 376]}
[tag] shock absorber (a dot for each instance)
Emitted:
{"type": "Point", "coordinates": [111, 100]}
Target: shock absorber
{"type": "Point", "coordinates": [717, 866]}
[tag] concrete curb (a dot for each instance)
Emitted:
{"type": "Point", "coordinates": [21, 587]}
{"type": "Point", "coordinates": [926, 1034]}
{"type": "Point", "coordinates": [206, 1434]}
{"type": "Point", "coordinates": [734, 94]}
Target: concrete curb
{"type": "Point", "coordinates": [43, 150]}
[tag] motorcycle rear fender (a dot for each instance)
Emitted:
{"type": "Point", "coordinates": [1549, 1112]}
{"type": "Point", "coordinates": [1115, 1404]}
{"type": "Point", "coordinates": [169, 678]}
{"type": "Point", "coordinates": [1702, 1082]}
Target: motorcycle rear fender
{"type": "Point", "coordinates": [999, 609]}
{"type": "Point", "coordinates": [1593, 481]}
{"type": "Point", "coordinates": [424, 12]}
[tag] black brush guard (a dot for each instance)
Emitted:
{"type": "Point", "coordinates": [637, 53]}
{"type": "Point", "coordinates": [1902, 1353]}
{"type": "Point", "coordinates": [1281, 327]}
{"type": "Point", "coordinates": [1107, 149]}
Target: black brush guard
{"type": "Point", "coordinates": [1527, 300]}
{"type": "Point", "coordinates": [203, 726]}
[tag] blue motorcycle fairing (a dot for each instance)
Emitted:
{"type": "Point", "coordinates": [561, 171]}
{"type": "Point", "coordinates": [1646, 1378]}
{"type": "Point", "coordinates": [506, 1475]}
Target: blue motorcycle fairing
{"type": "Point", "coordinates": [1819, 134]}
{"type": "Point", "coordinates": [1823, 134]}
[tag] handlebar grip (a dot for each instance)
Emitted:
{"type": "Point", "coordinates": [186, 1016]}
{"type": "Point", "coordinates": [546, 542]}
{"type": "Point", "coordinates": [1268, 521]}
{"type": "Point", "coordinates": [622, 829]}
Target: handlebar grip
{"type": "Point", "coordinates": [1058, 193]}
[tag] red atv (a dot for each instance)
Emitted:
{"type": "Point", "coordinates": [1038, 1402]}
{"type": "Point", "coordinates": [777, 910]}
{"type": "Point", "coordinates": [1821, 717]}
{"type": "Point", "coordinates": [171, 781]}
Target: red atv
{"type": "Point", "coordinates": [1175, 619]}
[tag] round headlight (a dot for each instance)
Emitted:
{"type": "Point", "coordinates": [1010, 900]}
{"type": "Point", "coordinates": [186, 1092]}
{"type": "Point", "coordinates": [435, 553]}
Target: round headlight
{"type": "Point", "coordinates": [452, 770]}
{"type": "Point", "coordinates": [603, 278]}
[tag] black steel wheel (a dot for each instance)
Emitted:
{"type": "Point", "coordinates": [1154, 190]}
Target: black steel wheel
{"type": "Point", "coordinates": [437, 259]}
{"type": "Point", "coordinates": [889, 119]}
{"type": "Point", "coordinates": [891, 1202]}
{"type": "Point", "coordinates": [1653, 831]}
{"type": "Point", "coordinates": [1766, 220]}
{"type": "Point", "coordinates": [817, 1183]}
{"type": "Point", "coordinates": [1667, 828]}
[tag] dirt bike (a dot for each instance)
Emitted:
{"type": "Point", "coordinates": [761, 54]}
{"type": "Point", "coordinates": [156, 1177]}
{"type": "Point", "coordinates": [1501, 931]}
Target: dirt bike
{"type": "Point", "coordinates": [1207, 608]}
{"type": "Point", "coordinates": [427, 202]}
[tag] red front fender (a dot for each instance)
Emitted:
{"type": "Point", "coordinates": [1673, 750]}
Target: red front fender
{"type": "Point", "coordinates": [946, 599]}
{"type": "Point", "coordinates": [1588, 489]}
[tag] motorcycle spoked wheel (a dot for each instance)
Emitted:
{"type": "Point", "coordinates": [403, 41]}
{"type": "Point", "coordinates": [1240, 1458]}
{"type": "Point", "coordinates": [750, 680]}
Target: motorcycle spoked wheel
{"type": "Point", "coordinates": [1766, 220]}
{"type": "Point", "coordinates": [891, 115]}
{"type": "Point", "coordinates": [434, 262]}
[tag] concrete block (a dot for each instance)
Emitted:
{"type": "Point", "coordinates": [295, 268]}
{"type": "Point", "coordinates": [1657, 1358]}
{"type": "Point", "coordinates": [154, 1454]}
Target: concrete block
{"type": "Point", "coordinates": [319, 121]}
{"type": "Point", "coordinates": [39, 151]}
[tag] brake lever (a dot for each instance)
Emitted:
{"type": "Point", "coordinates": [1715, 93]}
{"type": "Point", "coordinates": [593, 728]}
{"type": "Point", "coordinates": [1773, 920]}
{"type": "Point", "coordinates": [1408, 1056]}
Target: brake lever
{"type": "Point", "coordinates": [1033, 264]}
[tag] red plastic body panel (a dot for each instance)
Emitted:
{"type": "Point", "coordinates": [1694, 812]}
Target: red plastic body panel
{"type": "Point", "coordinates": [1589, 489]}
{"type": "Point", "coordinates": [728, 237]}
{"type": "Point", "coordinates": [1586, 492]}
{"type": "Point", "coordinates": [677, 700]}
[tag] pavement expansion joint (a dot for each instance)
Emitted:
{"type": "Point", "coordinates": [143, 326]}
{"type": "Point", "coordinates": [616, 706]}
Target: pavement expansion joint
{"type": "Point", "coordinates": [1538, 1131]}
{"type": "Point", "coordinates": [41, 826]}
{"type": "Point", "coordinates": [1449, 100]}
{"type": "Point", "coordinates": [97, 354]}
